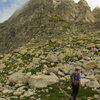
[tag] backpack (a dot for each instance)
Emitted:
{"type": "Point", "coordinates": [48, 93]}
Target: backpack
{"type": "Point", "coordinates": [74, 79]}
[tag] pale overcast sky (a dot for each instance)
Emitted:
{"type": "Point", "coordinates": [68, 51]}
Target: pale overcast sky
{"type": "Point", "coordinates": [8, 7]}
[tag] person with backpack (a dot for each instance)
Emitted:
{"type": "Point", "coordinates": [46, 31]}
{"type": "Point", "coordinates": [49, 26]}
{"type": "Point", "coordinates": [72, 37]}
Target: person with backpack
{"type": "Point", "coordinates": [75, 83]}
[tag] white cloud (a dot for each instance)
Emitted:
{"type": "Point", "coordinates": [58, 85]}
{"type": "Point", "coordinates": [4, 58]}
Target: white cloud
{"type": "Point", "coordinates": [3, 0]}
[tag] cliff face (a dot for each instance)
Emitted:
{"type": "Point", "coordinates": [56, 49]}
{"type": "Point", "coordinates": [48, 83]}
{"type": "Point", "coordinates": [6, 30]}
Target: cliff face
{"type": "Point", "coordinates": [96, 13]}
{"type": "Point", "coordinates": [39, 17]}
{"type": "Point", "coordinates": [85, 13]}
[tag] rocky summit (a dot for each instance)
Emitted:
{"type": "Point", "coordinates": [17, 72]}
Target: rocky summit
{"type": "Point", "coordinates": [40, 17]}
{"type": "Point", "coordinates": [40, 46]}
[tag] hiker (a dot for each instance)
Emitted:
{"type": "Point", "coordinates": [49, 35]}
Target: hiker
{"type": "Point", "coordinates": [75, 83]}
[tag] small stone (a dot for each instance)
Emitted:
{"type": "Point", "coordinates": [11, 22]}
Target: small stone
{"type": "Point", "coordinates": [61, 73]}
{"type": "Point", "coordinates": [68, 88]}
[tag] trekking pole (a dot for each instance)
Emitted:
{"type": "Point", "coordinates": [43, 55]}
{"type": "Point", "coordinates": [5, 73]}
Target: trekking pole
{"type": "Point", "coordinates": [62, 91]}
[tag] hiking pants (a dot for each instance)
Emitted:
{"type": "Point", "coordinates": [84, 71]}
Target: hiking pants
{"type": "Point", "coordinates": [75, 89]}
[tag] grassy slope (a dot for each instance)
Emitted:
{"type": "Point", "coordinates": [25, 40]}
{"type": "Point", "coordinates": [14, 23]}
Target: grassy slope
{"type": "Point", "coordinates": [76, 42]}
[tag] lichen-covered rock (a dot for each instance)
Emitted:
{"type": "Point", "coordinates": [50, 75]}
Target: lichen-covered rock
{"type": "Point", "coordinates": [93, 84]}
{"type": "Point", "coordinates": [18, 77]}
{"type": "Point", "coordinates": [90, 65]}
{"type": "Point", "coordinates": [98, 78]}
{"type": "Point", "coordinates": [23, 51]}
{"type": "Point", "coordinates": [35, 60]}
{"type": "Point", "coordinates": [2, 66]}
{"type": "Point", "coordinates": [53, 70]}
{"type": "Point", "coordinates": [84, 81]}
{"type": "Point", "coordinates": [42, 81]}
{"type": "Point", "coordinates": [6, 57]}
{"type": "Point", "coordinates": [52, 58]}
{"type": "Point", "coordinates": [61, 57]}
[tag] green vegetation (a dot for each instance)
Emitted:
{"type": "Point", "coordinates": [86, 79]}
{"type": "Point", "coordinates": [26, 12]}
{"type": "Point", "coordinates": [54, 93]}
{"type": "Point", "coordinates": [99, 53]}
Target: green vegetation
{"type": "Point", "coordinates": [27, 58]}
{"type": "Point", "coordinates": [54, 92]}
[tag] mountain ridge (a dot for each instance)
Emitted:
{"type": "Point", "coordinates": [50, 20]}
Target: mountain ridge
{"type": "Point", "coordinates": [43, 17]}
{"type": "Point", "coordinates": [43, 44]}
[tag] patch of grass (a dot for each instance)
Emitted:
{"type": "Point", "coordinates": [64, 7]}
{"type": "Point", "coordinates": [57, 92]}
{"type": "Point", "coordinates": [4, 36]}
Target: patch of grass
{"type": "Point", "coordinates": [34, 71]}
{"type": "Point", "coordinates": [87, 92]}
{"type": "Point", "coordinates": [11, 84]}
{"type": "Point", "coordinates": [38, 69]}
{"type": "Point", "coordinates": [27, 58]}
{"type": "Point", "coordinates": [52, 65]}
{"type": "Point", "coordinates": [52, 94]}
{"type": "Point", "coordinates": [56, 94]}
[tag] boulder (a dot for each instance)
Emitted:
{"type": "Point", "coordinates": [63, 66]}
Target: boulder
{"type": "Point", "coordinates": [98, 78]}
{"type": "Point", "coordinates": [36, 60]}
{"type": "Point", "coordinates": [61, 73]}
{"type": "Point", "coordinates": [84, 81]}
{"type": "Point", "coordinates": [92, 77]}
{"type": "Point", "coordinates": [93, 84]}
{"type": "Point", "coordinates": [2, 99]}
{"type": "Point", "coordinates": [61, 57]}
{"type": "Point", "coordinates": [90, 65]}
{"type": "Point", "coordinates": [28, 93]}
{"type": "Point", "coordinates": [53, 69]}
{"type": "Point", "coordinates": [19, 91]}
{"type": "Point", "coordinates": [98, 65]}
{"type": "Point", "coordinates": [2, 66]}
{"type": "Point", "coordinates": [6, 91]}
{"type": "Point", "coordinates": [23, 51]}
{"type": "Point", "coordinates": [52, 58]}
{"type": "Point", "coordinates": [6, 57]}
{"type": "Point", "coordinates": [42, 81]}
{"type": "Point", "coordinates": [18, 77]}
{"type": "Point", "coordinates": [65, 68]}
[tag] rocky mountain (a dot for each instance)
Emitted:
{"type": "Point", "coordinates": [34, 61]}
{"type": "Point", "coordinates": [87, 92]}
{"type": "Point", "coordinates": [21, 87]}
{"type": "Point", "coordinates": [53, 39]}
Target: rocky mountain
{"type": "Point", "coordinates": [38, 17]}
{"type": "Point", "coordinates": [96, 13]}
{"type": "Point", "coordinates": [85, 13]}
{"type": "Point", "coordinates": [40, 70]}
{"type": "Point", "coordinates": [42, 43]}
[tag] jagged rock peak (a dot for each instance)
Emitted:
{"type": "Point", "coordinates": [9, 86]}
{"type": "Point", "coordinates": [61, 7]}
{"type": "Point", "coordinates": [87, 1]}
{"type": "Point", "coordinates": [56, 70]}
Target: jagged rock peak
{"type": "Point", "coordinates": [96, 13]}
{"type": "Point", "coordinates": [83, 2]}
{"type": "Point", "coordinates": [97, 8]}
{"type": "Point", "coordinates": [71, 1]}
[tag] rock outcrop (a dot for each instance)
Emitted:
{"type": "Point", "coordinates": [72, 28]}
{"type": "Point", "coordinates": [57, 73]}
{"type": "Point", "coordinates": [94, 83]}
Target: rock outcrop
{"type": "Point", "coordinates": [85, 14]}
{"type": "Point", "coordinates": [42, 81]}
{"type": "Point", "coordinates": [38, 17]}
{"type": "Point", "coordinates": [96, 13]}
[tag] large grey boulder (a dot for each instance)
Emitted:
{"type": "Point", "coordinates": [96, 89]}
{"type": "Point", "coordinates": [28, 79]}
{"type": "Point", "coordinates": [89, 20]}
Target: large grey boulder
{"type": "Point", "coordinates": [93, 84]}
{"type": "Point", "coordinates": [84, 81]}
{"type": "Point", "coordinates": [42, 81]}
{"type": "Point", "coordinates": [18, 77]}
{"type": "Point", "coordinates": [90, 64]}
